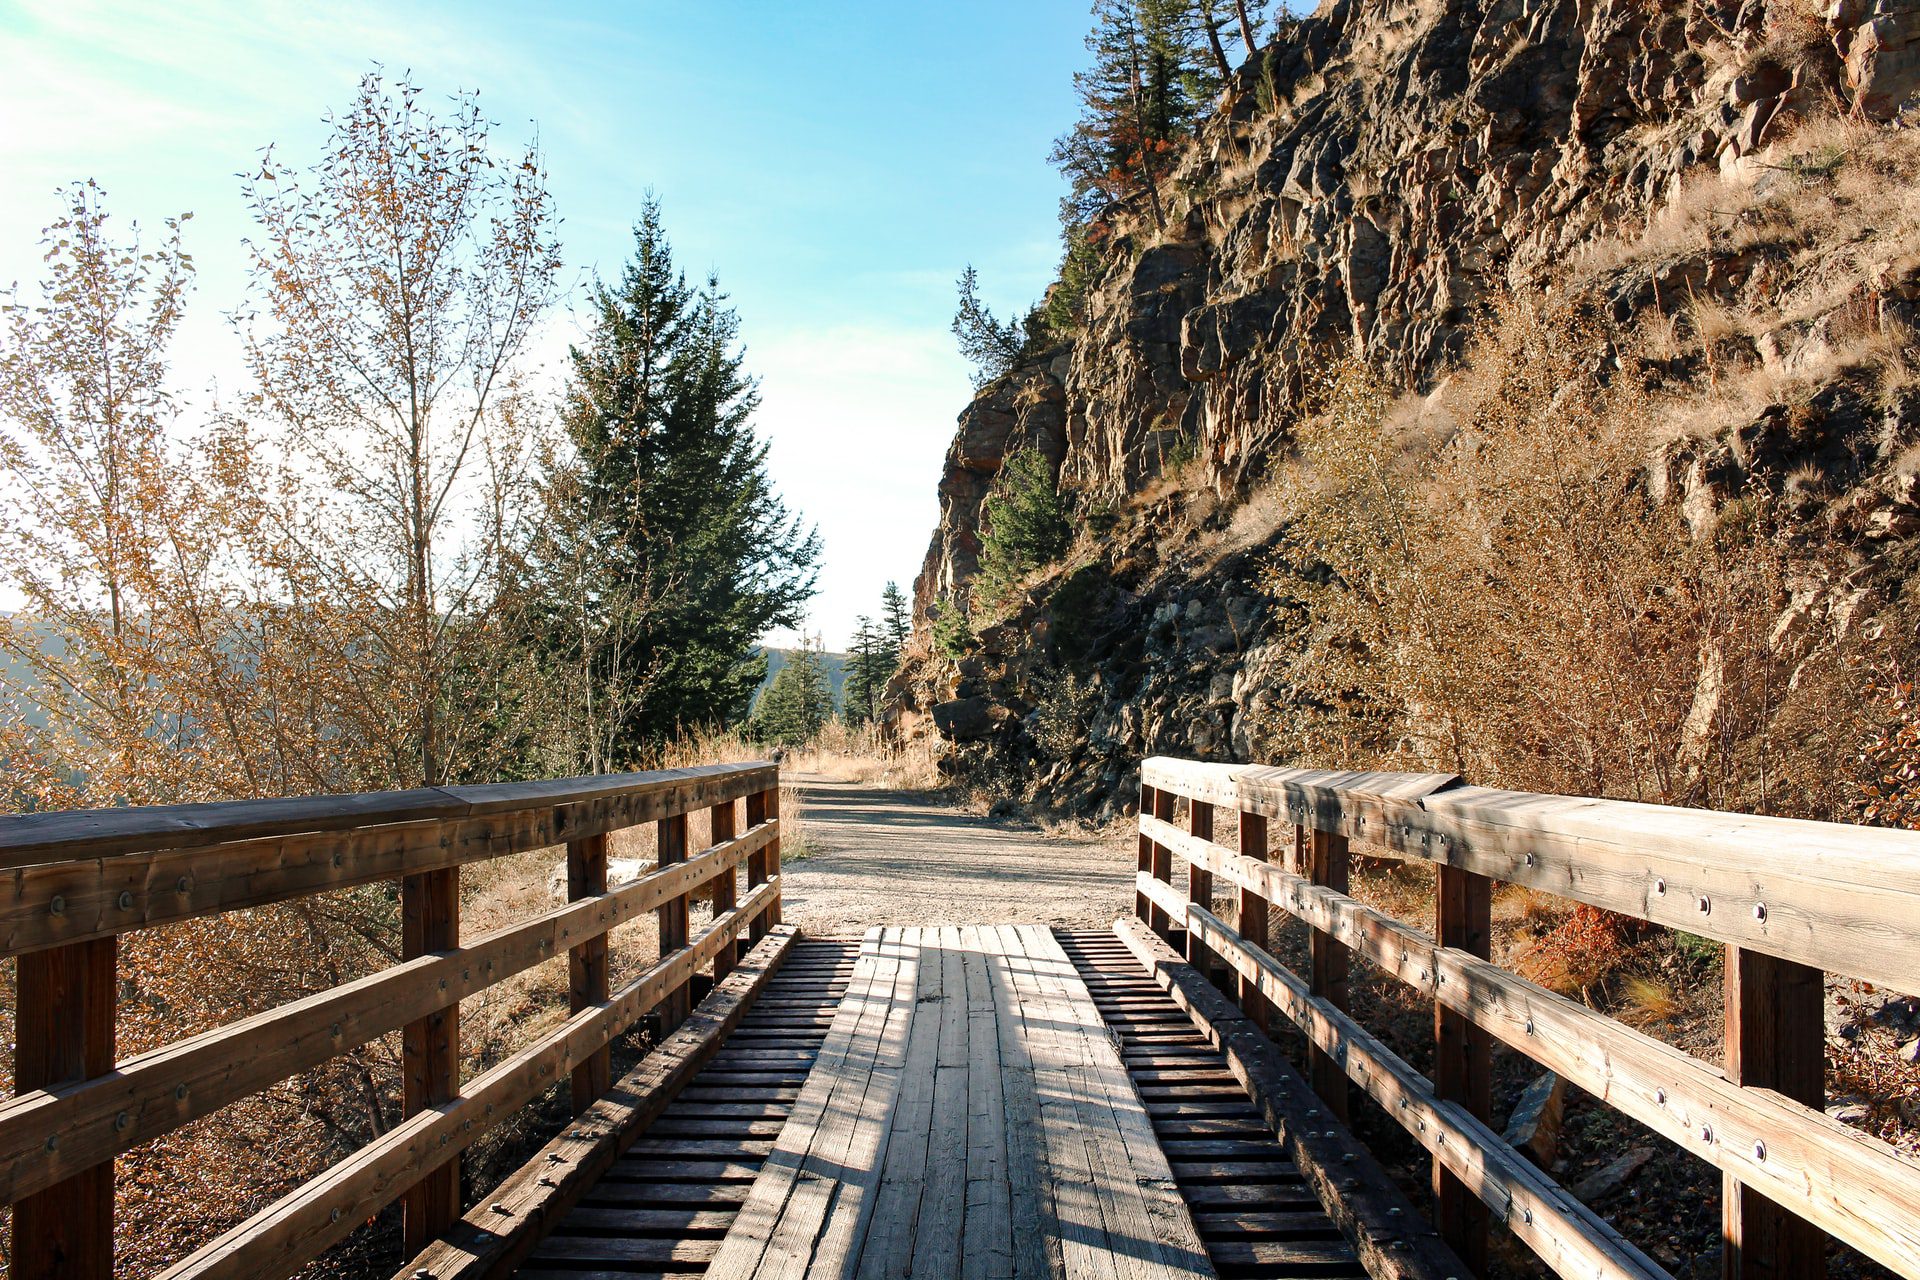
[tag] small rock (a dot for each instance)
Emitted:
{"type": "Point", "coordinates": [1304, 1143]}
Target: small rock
{"type": "Point", "coordinates": [1854, 1113]}
{"type": "Point", "coordinates": [1910, 1052]}
{"type": "Point", "coordinates": [1535, 1126]}
{"type": "Point", "coordinates": [1609, 1178]}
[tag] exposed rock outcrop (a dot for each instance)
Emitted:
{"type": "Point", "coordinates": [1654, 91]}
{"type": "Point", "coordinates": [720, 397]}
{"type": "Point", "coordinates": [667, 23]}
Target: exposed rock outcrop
{"type": "Point", "coordinates": [1375, 176]}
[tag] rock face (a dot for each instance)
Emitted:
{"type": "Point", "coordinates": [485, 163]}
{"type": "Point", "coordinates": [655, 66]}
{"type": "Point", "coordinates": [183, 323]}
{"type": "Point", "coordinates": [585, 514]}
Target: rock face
{"type": "Point", "coordinates": [1381, 171]}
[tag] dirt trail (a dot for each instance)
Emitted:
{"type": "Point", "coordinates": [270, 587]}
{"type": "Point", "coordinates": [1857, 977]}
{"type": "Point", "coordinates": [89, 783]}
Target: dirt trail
{"type": "Point", "coordinates": [891, 857]}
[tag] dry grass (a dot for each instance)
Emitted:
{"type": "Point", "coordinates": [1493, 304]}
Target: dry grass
{"type": "Point", "coordinates": [867, 756]}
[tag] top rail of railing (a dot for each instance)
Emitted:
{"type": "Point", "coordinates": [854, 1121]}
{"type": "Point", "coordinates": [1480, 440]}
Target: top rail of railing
{"type": "Point", "coordinates": [93, 873]}
{"type": "Point", "coordinates": [1834, 896]}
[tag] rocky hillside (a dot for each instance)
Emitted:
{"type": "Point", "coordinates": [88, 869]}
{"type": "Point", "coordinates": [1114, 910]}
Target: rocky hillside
{"type": "Point", "coordinates": [1738, 170]}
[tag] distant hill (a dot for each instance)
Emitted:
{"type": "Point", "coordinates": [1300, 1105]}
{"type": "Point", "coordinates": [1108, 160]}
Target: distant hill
{"type": "Point", "coordinates": [836, 664]}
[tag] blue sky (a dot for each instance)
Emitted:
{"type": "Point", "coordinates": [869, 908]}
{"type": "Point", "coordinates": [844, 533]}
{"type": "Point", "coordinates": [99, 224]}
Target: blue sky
{"type": "Point", "coordinates": [836, 163]}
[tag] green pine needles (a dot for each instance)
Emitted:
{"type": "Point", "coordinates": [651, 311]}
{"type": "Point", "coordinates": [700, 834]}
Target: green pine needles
{"type": "Point", "coordinates": [1023, 524]}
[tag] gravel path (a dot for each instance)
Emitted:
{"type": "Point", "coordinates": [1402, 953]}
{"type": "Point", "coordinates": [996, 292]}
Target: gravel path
{"type": "Point", "coordinates": [891, 857]}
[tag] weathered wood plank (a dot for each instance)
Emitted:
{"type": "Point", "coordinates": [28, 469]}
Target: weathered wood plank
{"type": "Point", "coordinates": [95, 833]}
{"type": "Point", "coordinates": [1252, 918]}
{"type": "Point", "coordinates": [1199, 879]}
{"type": "Point", "coordinates": [1089, 1111]}
{"type": "Point", "coordinates": [298, 1227]}
{"type": "Point", "coordinates": [162, 1090]}
{"type": "Point", "coordinates": [587, 966]}
{"type": "Point", "coordinates": [722, 825]}
{"type": "Point", "coordinates": [829, 1155]}
{"type": "Point", "coordinates": [547, 1187]}
{"type": "Point", "coordinates": [1567, 1235]}
{"type": "Point", "coordinates": [1851, 1185]}
{"type": "Point", "coordinates": [988, 1223]}
{"type": "Point", "coordinates": [1356, 1193]}
{"type": "Point", "coordinates": [430, 1050]}
{"type": "Point", "coordinates": [1463, 1055]}
{"type": "Point", "coordinates": [64, 1015]}
{"type": "Point", "coordinates": [670, 847]}
{"type": "Point", "coordinates": [1328, 867]}
{"type": "Point", "coordinates": [1828, 895]}
{"type": "Point", "coordinates": [1775, 1039]}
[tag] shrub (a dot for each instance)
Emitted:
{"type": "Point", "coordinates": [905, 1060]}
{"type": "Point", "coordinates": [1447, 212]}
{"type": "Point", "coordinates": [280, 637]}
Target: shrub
{"type": "Point", "coordinates": [1506, 597]}
{"type": "Point", "coordinates": [1065, 702]}
{"type": "Point", "coordinates": [1023, 523]}
{"type": "Point", "coordinates": [952, 633]}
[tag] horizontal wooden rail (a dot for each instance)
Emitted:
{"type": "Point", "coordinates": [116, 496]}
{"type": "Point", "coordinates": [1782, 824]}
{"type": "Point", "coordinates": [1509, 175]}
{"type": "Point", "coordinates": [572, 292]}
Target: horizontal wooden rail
{"type": "Point", "coordinates": [47, 1135]}
{"type": "Point", "coordinates": [1568, 1236]}
{"type": "Point", "coordinates": [295, 1230]}
{"type": "Point", "coordinates": [1836, 897]}
{"type": "Point", "coordinates": [71, 883]}
{"type": "Point", "coordinates": [56, 891]}
{"type": "Point", "coordinates": [1790, 899]}
{"type": "Point", "coordinates": [69, 834]}
{"type": "Point", "coordinates": [1799, 1157]}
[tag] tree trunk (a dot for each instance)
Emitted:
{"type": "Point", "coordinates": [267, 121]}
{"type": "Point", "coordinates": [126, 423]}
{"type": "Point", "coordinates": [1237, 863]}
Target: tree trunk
{"type": "Point", "coordinates": [1213, 42]}
{"type": "Point", "coordinates": [1140, 129]}
{"type": "Point", "coordinates": [1246, 28]}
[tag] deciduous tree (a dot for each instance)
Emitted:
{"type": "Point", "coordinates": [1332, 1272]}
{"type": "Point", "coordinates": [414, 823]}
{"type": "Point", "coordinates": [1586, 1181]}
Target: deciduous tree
{"type": "Point", "coordinates": [399, 280]}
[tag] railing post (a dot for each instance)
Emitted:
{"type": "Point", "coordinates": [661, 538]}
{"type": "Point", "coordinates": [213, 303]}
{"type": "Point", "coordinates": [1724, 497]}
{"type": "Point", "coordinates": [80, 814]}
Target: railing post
{"type": "Point", "coordinates": [1162, 869]}
{"type": "Point", "coordinates": [1252, 919]}
{"type": "Point", "coordinates": [726, 896]}
{"type": "Point", "coordinates": [587, 966]}
{"type": "Point", "coordinates": [1142, 905]}
{"type": "Point", "coordinates": [1327, 858]}
{"type": "Point", "coordinates": [1775, 1039]}
{"type": "Point", "coordinates": [774, 915]}
{"type": "Point", "coordinates": [672, 915]}
{"type": "Point", "coordinates": [1463, 1056]}
{"type": "Point", "coordinates": [757, 863]}
{"type": "Point", "coordinates": [430, 1048]}
{"type": "Point", "coordinates": [1199, 884]}
{"type": "Point", "coordinates": [64, 1032]}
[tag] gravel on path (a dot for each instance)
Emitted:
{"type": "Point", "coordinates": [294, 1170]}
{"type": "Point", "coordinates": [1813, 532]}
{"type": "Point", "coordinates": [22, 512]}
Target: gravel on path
{"type": "Point", "coordinates": [876, 856]}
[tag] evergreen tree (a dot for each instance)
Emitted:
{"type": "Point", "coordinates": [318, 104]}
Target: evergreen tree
{"type": "Point", "coordinates": [1024, 523]}
{"type": "Point", "coordinates": [896, 619]}
{"type": "Point", "coordinates": [991, 346]}
{"type": "Point", "coordinates": [869, 667]}
{"type": "Point", "coordinates": [1151, 80]}
{"type": "Point", "coordinates": [671, 548]}
{"type": "Point", "coordinates": [797, 701]}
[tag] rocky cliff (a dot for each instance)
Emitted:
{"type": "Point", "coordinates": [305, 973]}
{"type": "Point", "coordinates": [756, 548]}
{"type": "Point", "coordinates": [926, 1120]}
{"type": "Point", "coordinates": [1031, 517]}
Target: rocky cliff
{"type": "Point", "coordinates": [1366, 184]}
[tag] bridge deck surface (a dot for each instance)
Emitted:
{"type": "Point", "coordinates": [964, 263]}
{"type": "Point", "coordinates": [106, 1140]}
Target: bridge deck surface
{"type": "Point", "coordinates": [966, 1111]}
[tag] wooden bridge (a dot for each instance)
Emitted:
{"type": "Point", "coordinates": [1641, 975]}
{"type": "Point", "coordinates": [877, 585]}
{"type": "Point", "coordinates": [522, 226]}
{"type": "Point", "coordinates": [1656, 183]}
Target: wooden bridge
{"type": "Point", "coordinates": [975, 1100]}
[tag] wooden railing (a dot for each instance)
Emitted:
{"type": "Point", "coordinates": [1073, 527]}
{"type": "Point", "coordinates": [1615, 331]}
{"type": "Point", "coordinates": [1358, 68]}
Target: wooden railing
{"type": "Point", "coordinates": [1791, 900]}
{"type": "Point", "coordinates": [76, 881]}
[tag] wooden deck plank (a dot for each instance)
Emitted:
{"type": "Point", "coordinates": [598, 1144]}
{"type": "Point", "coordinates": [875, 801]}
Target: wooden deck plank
{"type": "Point", "coordinates": [1149, 1232]}
{"type": "Point", "coordinates": [967, 1115]}
{"type": "Point", "coordinates": [987, 1215]}
{"type": "Point", "coordinates": [814, 1193]}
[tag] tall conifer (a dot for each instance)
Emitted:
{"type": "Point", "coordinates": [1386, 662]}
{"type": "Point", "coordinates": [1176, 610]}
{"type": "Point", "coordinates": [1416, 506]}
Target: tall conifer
{"type": "Point", "coordinates": [687, 553]}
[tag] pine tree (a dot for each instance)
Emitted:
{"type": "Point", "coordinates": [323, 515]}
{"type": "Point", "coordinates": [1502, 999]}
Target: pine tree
{"type": "Point", "coordinates": [869, 666]}
{"type": "Point", "coordinates": [990, 346]}
{"type": "Point", "coordinates": [798, 700]}
{"type": "Point", "coordinates": [675, 554]}
{"type": "Point", "coordinates": [897, 620]}
{"type": "Point", "coordinates": [1024, 523]}
{"type": "Point", "coordinates": [1151, 80]}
